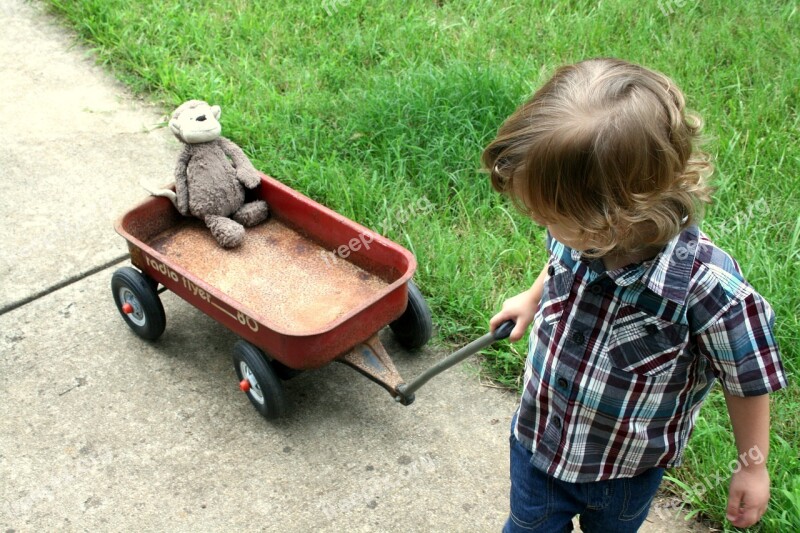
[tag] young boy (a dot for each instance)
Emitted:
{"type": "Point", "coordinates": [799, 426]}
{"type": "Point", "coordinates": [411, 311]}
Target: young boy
{"type": "Point", "coordinates": [635, 313]}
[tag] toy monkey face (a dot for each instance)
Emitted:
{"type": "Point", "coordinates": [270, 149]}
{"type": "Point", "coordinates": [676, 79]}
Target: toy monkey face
{"type": "Point", "coordinates": [196, 122]}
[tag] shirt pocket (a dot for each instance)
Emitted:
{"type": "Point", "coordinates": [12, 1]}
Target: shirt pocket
{"type": "Point", "coordinates": [645, 344]}
{"type": "Point", "coordinates": [555, 292]}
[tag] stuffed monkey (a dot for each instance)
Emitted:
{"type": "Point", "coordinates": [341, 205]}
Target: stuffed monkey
{"type": "Point", "coordinates": [212, 174]}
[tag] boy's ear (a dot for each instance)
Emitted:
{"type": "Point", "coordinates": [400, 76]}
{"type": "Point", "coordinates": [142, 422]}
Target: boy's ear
{"type": "Point", "coordinates": [217, 111]}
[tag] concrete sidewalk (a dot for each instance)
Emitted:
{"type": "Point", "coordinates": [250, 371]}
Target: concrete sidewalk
{"type": "Point", "coordinates": [103, 431]}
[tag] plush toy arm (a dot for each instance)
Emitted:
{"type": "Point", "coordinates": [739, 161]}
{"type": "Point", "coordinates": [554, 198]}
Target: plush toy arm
{"type": "Point", "coordinates": [181, 190]}
{"type": "Point", "coordinates": [245, 171]}
{"type": "Point", "coordinates": [166, 193]}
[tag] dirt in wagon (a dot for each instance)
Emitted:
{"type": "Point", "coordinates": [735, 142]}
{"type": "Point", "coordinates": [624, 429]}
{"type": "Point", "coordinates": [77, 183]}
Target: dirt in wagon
{"type": "Point", "coordinates": [277, 273]}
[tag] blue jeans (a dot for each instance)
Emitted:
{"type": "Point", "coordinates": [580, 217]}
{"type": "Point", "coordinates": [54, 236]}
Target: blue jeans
{"type": "Point", "coordinates": [540, 502]}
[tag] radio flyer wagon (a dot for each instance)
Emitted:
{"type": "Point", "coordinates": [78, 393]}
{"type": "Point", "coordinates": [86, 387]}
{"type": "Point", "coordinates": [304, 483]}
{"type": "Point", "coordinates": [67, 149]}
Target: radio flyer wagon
{"type": "Point", "coordinates": [307, 287]}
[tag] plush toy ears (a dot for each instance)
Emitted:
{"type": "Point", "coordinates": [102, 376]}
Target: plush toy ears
{"type": "Point", "coordinates": [216, 110]}
{"type": "Point", "coordinates": [173, 126]}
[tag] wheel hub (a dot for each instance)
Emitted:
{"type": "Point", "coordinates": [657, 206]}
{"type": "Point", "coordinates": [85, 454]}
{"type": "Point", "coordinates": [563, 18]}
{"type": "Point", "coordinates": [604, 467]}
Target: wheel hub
{"type": "Point", "coordinates": [131, 306]}
{"type": "Point", "coordinates": [253, 388]}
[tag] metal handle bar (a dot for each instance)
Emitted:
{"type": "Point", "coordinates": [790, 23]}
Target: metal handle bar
{"type": "Point", "coordinates": [407, 390]}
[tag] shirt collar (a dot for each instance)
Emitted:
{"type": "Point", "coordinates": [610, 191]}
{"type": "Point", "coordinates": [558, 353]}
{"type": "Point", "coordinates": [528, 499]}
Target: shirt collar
{"type": "Point", "coordinates": [667, 274]}
{"type": "Point", "coordinates": [672, 269]}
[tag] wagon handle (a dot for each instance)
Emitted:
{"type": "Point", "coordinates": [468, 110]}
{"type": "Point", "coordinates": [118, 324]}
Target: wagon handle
{"type": "Point", "coordinates": [406, 390]}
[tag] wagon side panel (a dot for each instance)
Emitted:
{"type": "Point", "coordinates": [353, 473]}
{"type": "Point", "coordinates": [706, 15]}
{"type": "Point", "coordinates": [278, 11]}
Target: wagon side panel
{"type": "Point", "coordinates": [193, 291]}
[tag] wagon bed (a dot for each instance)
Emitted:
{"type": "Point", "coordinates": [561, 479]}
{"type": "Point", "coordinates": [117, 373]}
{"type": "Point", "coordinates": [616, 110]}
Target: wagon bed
{"type": "Point", "coordinates": [278, 273]}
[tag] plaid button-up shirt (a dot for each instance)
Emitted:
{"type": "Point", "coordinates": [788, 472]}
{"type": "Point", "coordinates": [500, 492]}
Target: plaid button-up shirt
{"type": "Point", "coordinates": [620, 361]}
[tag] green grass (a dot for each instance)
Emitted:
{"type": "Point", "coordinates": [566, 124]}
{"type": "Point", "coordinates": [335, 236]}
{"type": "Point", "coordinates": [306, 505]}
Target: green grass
{"type": "Point", "coordinates": [379, 104]}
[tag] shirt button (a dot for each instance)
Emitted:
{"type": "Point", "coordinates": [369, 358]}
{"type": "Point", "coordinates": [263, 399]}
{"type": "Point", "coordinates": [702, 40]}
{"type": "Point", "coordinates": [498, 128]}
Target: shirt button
{"type": "Point", "coordinates": [651, 329]}
{"type": "Point", "coordinates": [551, 270]}
{"type": "Point", "coordinates": [562, 383]}
{"type": "Point", "coordinates": [578, 338]}
{"type": "Point", "coordinates": [557, 422]}
{"type": "Point", "coordinates": [597, 290]}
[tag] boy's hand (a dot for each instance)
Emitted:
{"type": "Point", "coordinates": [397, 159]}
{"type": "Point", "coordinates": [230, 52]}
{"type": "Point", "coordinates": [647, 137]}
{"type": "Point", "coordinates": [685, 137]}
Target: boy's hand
{"type": "Point", "coordinates": [748, 495]}
{"type": "Point", "coordinates": [521, 308]}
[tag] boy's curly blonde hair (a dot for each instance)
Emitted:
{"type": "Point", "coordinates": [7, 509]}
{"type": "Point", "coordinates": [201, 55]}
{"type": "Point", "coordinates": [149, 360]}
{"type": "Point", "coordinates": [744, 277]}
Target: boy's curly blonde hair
{"type": "Point", "coordinates": [606, 146]}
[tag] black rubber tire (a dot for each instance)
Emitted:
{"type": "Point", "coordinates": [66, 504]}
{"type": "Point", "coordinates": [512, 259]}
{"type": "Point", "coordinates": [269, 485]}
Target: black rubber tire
{"type": "Point", "coordinates": [266, 394]}
{"type": "Point", "coordinates": [148, 319]}
{"type": "Point", "coordinates": [414, 327]}
{"type": "Point", "coordinates": [153, 283]}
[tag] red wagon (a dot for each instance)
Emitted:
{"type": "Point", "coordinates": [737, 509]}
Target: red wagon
{"type": "Point", "coordinates": [306, 288]}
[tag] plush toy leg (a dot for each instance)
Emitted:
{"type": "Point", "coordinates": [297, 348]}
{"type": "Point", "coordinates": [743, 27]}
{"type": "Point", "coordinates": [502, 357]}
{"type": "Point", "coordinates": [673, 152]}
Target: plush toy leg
{"type": "Point", "coordinates": [229, 234]}
{"type": "Point", "coordinates": [252, 213]}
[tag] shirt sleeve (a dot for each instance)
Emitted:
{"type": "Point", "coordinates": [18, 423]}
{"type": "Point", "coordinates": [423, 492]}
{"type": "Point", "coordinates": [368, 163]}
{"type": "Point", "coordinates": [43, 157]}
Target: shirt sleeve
{"type": "Point", "coordinates": [742, 350]}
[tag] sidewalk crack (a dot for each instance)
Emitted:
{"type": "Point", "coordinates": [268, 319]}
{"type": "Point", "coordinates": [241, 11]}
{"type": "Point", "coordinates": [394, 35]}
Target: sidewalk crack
{"type": "Point", "coordinates": [61, 284]}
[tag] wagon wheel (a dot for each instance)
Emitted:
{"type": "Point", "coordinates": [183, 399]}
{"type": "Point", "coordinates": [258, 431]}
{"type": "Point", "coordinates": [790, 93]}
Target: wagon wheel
{"type": "Point", "coordinates": [138, 303]}
{"type": "Point", "coordinates": [259, 381]}
{"type": "Point", "coordinates": [414, 327]}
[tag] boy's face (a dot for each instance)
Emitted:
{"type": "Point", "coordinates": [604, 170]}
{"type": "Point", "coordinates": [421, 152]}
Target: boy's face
{"type": "Point", "coordinates": [567, 233]}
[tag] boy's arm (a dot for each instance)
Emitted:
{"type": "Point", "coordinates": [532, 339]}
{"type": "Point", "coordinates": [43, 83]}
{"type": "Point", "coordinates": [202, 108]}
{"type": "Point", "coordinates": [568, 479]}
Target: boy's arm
{"type": "Point", "coordinates": [743, 353]}
{"type": "Point", "coordinates": [521, 308]}
{"type": "Point", "coordinates": [748, 494]}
